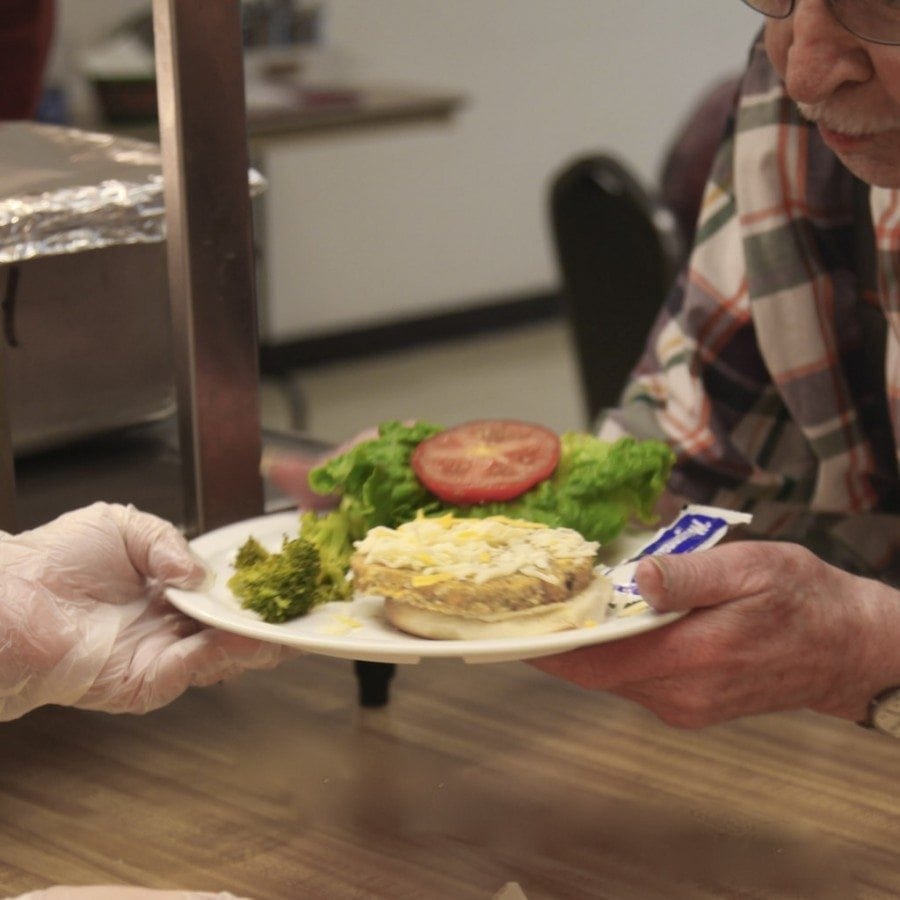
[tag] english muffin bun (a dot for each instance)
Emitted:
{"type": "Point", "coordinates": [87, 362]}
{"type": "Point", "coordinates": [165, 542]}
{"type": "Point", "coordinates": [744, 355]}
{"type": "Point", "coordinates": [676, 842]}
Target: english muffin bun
{"type": "Point", "coordinates": [452, 578]}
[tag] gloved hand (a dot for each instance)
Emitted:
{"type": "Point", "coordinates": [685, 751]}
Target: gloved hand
{"type": "Point", "coordinates": [83, 619]}
{"type": "Point", "coordinates": [114, 892]}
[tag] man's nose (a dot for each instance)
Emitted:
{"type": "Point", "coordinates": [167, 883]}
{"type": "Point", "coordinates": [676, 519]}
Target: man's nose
{"type": "Point", "coordinates": [823, 55]}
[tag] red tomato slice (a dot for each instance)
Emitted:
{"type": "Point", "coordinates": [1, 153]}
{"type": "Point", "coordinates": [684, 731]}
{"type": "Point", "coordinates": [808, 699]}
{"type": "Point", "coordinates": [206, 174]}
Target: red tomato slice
{"type": "Point", "coordinates": [491, 459]}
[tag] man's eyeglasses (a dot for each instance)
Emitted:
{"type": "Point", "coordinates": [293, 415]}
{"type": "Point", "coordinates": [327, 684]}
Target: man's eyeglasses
{"type": "Point", "coordinates": [876, 21]}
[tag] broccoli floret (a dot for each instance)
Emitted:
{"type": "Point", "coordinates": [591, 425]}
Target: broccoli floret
{"type": "Point", "coordinates": [279, 586]}
{"type": "Point", "coordinates": [250, 553]}
{"type": "Point", "coordinates": [330, 534]}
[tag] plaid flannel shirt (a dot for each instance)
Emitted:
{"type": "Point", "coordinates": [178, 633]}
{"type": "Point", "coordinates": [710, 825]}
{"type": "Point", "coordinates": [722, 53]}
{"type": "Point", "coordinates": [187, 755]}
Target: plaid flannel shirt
{"type": "Point", "coordinates": [773, 369]}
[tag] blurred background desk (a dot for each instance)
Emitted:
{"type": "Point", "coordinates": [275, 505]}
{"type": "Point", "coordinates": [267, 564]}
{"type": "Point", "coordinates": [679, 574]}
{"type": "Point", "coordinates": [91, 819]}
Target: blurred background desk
{"type": "Point", "coordinates": [275, 787]}
{"type": "Point", "coordinates": [321, 109]}
{"type": "Point", "coordinates": [364, 107]}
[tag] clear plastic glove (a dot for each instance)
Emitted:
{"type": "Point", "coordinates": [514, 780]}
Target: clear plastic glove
{"type": "Point", "coordinates": [115, 892]}
{"type": "Point", "coordinates": [83, 619]}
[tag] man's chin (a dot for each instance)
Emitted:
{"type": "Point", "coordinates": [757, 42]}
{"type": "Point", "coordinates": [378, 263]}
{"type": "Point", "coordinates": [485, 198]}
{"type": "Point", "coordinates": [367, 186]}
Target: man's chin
{"type": "Point", "coordinates": [874, 174]}
{"type": "Point", "coordinates": [869, 167]}
{"type": "Point", "coordinates": [873, 157]}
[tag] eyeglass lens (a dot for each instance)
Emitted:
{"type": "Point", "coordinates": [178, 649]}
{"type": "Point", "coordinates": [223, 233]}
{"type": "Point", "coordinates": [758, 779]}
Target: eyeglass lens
{"type": "Point", "coordinates": [877, 21]}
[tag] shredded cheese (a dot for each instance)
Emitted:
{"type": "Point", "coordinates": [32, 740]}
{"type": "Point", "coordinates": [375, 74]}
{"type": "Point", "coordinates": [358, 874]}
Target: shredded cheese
{"type": "Point", "coordinates": [475, 550]}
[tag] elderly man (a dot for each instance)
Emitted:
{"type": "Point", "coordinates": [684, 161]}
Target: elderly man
{"type": "Point", "coordinates": [774, 371]}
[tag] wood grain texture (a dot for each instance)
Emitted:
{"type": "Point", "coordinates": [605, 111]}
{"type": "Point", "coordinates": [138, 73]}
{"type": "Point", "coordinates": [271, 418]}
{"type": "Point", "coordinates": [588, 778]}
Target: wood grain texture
{"type": "Point", "coordinates": [277, 785]}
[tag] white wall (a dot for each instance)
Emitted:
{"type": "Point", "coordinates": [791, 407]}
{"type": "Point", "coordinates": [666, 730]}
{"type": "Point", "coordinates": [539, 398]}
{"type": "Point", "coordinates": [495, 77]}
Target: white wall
{"type": "Point", "coordinates": [365, 227]}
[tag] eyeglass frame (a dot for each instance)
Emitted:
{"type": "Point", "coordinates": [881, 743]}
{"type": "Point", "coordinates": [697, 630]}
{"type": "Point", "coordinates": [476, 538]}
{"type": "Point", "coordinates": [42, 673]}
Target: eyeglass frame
{"type": "Point", "coordinates": [830, 4]}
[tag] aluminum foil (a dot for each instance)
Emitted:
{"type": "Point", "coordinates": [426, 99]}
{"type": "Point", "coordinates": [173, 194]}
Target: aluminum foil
{"type": "Point", "coordinates": [65, 190]}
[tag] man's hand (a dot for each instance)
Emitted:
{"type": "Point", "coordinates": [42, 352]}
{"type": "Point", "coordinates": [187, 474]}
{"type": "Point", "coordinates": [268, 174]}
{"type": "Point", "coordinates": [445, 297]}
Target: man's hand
{"type": "Point", "coordinates": [770, 627]}
{"type": "Point", "coordinates": [83, 619]}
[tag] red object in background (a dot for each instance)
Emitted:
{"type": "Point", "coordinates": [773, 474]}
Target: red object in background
{"type": "Point", "coordinates": [26, 32]}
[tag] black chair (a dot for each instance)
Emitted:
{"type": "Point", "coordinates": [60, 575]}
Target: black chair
{"type": "Point", "coordinates": [619, 245]}
{"type": "Point", "coordinates": [618, 251]}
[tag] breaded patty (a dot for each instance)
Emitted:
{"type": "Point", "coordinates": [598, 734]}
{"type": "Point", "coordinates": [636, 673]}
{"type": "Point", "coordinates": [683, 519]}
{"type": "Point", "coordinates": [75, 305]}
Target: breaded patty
{"type": "Point", "coordinates": [503, 594]}
{"type": "Point", "coordinates": [478, 568]}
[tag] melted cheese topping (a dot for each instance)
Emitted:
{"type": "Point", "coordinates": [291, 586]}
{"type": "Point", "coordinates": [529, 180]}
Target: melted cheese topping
{"type": "Point", "coordinates": [476, 550]}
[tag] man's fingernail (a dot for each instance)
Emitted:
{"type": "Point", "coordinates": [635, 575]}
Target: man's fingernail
{"type": "Point", "coordinates": [652, 584]}
{"type": "Point", "coordinates": [663, 575]}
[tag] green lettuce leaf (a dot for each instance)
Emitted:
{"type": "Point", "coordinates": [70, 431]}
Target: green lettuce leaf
{"type": "Point", "coordinates": [597, 487]}
{"type": "Point", "coordinates": [375, 479]}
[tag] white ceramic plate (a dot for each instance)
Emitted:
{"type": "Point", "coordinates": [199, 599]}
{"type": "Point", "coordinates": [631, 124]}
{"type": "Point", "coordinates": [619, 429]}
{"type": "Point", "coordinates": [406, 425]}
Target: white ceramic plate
{"type": "Point", "coordinates": [356, 629]}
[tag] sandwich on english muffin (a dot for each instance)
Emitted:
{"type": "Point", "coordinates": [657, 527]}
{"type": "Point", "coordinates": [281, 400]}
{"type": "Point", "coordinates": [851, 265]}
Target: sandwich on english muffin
{"type": "Point", "coordinates": [468, 578]}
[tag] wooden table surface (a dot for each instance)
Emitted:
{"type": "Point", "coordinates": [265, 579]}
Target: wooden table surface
{"type": "Point", "coordinates": [278, 785]}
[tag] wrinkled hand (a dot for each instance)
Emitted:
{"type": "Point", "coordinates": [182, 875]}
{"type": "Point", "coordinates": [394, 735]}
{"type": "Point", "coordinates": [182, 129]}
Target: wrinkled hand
{"type": "Point", "coordinates": [772, 627]}
{"type": "Point", "coordinates": [83, 619]}
{"type": "Point", "coordinates": [289, 472]}
{"type": "Point", "coordinates": [115, 892]}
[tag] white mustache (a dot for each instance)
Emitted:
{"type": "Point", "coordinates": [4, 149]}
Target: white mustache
{"type": "Point", "coordinates": [850, 121]}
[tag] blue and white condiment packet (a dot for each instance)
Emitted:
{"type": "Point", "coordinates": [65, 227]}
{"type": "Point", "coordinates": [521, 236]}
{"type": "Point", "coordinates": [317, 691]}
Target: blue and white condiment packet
{"type": "Point", "coordinates": [696, 528]}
